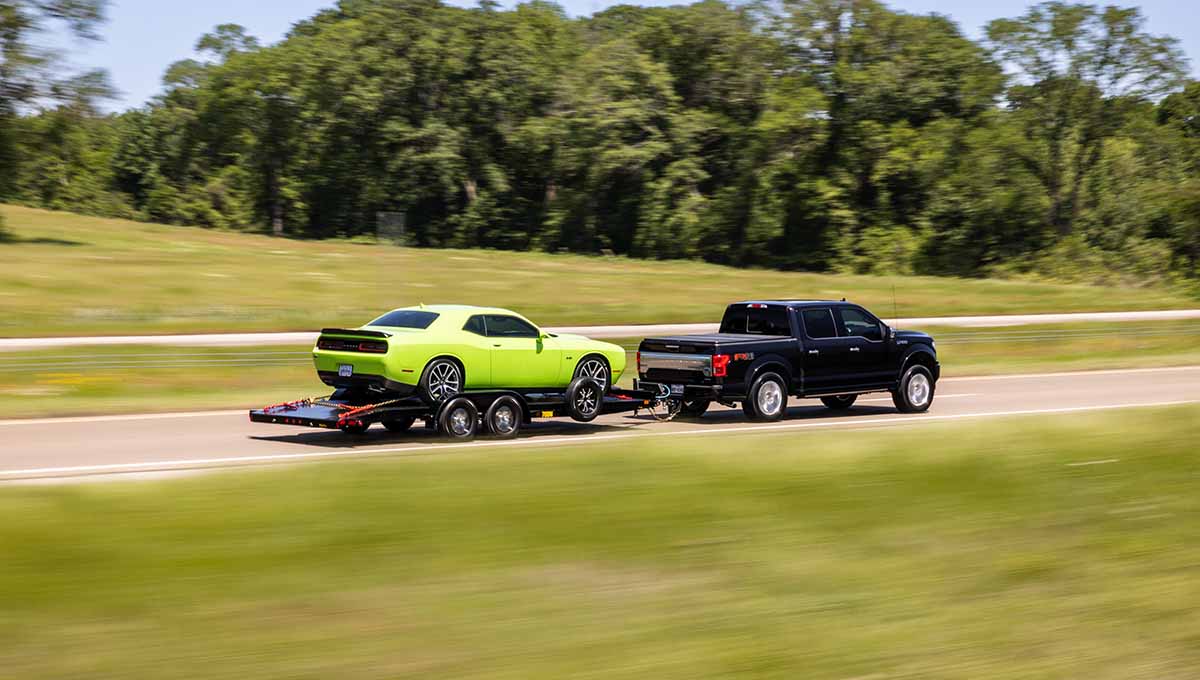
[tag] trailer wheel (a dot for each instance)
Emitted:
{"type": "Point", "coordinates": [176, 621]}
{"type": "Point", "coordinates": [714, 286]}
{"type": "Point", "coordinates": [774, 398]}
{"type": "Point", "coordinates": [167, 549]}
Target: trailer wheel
{"type": "Point", "coordinates": [357, 428]}
{"type": "Point", "coordinates": [585, 396]}
{"type": "Point", "coordinates": [503, 418]}
{"type": "Point", "coordinates": [400, 424]}
{"type": "Point", "coordinates": [459, 419]}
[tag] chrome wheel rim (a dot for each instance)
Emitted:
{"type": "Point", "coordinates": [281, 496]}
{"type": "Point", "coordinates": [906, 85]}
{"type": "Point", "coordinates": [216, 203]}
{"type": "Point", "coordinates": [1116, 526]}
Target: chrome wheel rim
{"type": "Point", "coordinates": [770, 398]}
{"type": "Point", "coordinates": [460, 421]}
{"type": "Point", "coordinates": [918, 389]}
{"type": "Point", "coordinates": [444, 380]}
{"type": "Point", "coordinates": [585, 400]}
{"type": "Point", "coordinates": [503, 419]}
{"type": "Point", "coordinates": [594, 368]}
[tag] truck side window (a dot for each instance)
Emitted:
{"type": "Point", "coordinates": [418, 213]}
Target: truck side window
{"type": "Point", "coordinates": [856, 323]}
{"type": "Point", "coordinates": [818, 324]}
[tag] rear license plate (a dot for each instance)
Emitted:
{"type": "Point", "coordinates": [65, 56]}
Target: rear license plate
{"type": "Point", "coordinates": [676, 389]}
{"type": "Point", "coordinates": [345, 370]}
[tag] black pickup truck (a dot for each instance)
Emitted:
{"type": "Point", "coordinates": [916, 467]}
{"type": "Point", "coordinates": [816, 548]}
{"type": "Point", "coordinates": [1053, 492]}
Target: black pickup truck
{"type": "Point", "coordinates": [767, 350]}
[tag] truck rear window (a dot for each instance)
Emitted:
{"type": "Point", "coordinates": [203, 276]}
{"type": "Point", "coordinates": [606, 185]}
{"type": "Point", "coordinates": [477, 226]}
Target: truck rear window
{"type": "Point", "coordinates": [405, 318]}
{"type": "Point", "coordinates": [756, 320]}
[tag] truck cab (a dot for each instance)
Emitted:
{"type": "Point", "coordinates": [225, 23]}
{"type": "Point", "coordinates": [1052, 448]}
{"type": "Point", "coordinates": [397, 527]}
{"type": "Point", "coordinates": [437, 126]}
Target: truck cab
{"type": "Point", "coordinates": [767, 350]}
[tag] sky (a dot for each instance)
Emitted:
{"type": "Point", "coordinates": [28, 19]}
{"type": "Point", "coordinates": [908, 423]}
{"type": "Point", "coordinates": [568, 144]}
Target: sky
{"type": "Point", "coordinates": [143, 37]}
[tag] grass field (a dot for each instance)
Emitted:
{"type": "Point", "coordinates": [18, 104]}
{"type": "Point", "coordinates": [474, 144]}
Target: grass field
{"type": "Point", "coordinates": [144, 379]}
{"type": "Point", "coordinates": [66, 274]}
{"type": "Point", "coordinates": [1031, 548]}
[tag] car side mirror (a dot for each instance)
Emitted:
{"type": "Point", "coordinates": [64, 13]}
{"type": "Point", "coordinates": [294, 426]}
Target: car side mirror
{"type": "Point", "coordinates": [886, 331]}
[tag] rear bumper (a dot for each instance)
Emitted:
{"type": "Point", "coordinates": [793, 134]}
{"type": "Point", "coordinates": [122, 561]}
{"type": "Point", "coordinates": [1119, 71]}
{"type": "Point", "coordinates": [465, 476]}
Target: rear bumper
{"type": "Point", "coordinates": [367, 381]}
{"type": "Point", "coordinates": [710, 392]}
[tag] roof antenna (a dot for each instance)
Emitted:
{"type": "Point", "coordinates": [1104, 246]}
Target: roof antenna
{"type": "Point", "coordinates": [843, 298]}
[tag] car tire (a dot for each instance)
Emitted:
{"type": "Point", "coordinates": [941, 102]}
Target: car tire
{"type": "Point", "coordinates": [584, 399]}
{"type": "Point", "coordinates": [595, 366]}
{"type": "Point", "coordinates": [401, 424]}
{"type": "Point", "coordinates": [914, 394]}
{"type": "Point", "coordinates": [840, 402]}
{"type": "Point", "coordinates": [359, 428]}
{"type": "Point", "coordinates": [504, 417]}
{"type": "Point", "coordinates": [458, 419]}
{"type": "Point", "coordinates": [442, 379]}
{"type": "Point", "coordinates": [694, 408]}
{"type": "Point", "coordinates": [768, 398]}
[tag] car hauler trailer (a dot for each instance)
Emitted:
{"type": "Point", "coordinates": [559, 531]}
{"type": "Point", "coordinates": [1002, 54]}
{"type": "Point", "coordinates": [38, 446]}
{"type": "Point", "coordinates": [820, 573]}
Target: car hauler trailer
{"type": "Point", "coordinates": [497, 412]}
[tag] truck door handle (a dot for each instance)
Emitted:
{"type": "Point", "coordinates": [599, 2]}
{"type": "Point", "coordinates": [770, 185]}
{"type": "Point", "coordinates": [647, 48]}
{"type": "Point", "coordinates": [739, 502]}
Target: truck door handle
{"type": "Point", "coordinates": [853, 349]}
{"type": "Point", "coordinates": [814, 351]}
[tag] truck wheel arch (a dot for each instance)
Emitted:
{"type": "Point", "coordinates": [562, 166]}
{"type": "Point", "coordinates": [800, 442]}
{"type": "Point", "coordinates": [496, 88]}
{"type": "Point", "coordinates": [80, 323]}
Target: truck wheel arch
{"type": "Point", "coordinates": [919, 355]}
{"type": "Point", "coordinates": [773, 363]}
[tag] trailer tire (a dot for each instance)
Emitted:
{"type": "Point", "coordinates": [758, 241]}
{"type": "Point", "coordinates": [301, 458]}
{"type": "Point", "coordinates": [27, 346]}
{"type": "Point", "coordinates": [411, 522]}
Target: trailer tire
{"type": "Point", "coordinates": [458, 419]}
{"type": "Point", "coordinates": [357, 428]}
{"type": "Point", "coordinates": [401, 424]}
{"type": "Point", "coordinates": [585, 396]}
{"type": "Point", "coordinates": [768, 398]}
{"type": "Point", "coordinates": [504, 418]}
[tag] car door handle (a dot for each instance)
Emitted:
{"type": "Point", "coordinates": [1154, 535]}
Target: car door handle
{"type": "Point", "coordinates": [853, 349]}
{"type": "Point", "coordinates": [814, 351]}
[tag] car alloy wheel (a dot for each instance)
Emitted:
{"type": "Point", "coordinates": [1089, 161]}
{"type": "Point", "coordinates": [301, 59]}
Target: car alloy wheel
{"type": "Point", "coordinates": [445, 380]}
{"type": "Point", "coordinates": [596, 369]}
{"type": "Point", "coordinates": [918, 390]}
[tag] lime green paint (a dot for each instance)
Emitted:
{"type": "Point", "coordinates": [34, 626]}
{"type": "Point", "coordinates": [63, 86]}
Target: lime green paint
{"type": "Point", "coordinates": [546, 361]}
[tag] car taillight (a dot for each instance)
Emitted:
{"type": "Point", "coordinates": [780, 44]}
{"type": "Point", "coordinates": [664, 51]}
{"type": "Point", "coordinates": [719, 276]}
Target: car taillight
{"type": "Point", "coordinates": [373, 347]}
{"type": "Point", "coordinates": [720, 365]}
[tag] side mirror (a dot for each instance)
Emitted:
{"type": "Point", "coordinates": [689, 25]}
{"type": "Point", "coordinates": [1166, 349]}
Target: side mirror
{"type": "Point", "coordinates": [886, 331]}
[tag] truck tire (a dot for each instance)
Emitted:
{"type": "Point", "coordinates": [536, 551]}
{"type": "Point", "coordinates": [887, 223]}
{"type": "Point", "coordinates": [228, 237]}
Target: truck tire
{"type": "Point", "coordinates": [458, 419]}
{"type": "Point", "coordinates": [400, 424]}
{"type": "Point", "coordinates": [767, 398]}
{"type": "Point", "coordinates": [914, 394]}
{"type": "Point", "coordinates": [694, 408]}
{"type": "Point", "coordinates": [840, 402]}
{"type": "Point", "coordinates": [503, 418]}
{"type": "Point", "coordinates": [585, 396]}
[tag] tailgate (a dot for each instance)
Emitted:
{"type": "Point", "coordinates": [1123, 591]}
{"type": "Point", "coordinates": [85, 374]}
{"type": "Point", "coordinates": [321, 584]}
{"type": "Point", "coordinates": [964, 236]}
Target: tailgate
{"type": "Point", "coordinates": [683, 359]}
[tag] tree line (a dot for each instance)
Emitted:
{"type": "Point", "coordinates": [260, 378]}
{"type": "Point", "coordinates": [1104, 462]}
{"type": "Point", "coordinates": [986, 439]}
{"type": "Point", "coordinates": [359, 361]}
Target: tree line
{"type": "Point", "coordinates": [825, 135]}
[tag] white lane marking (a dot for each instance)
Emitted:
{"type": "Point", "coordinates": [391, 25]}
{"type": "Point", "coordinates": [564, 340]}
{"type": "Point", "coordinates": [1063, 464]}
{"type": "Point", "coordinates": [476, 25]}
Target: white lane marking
{"type": "Point", "coordinates": [1068, 374]}
{"type": "Point", "coordinates": [113, 419]}
{"type": "Point", "coordinates": [233, 461]}
{"type": "Point", "coordinates": [1106, 461]}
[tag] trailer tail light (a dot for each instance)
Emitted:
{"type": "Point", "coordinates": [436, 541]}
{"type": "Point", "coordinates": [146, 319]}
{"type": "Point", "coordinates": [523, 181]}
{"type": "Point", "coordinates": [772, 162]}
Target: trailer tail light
{"type": "Point", "coordinates": [720, 365]}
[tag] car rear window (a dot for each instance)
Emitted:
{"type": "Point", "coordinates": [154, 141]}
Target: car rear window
{"type": "Point", "coordinates": [405, 318]}
{"type": "Point", "coordinates": [756, 320]}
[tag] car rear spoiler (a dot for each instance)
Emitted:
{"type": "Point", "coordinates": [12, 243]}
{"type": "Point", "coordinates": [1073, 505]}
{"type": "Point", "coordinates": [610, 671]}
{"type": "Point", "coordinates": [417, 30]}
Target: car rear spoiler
{"type": "Point", "coordinates": [355, 334]}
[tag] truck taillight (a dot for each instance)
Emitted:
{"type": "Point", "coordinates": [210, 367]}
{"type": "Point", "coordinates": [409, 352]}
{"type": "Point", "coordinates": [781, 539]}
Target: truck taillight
{"type": "Point", "coordinates": [639, 362]}
{"type": "Point", "coordinates": [720, 365]}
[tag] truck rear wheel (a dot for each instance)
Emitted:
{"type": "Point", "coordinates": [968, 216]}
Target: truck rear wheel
{"type": "Point", "coordinates": [914, 394]}
{"type": "Point", "coordinates": [767, 398]}
{"type": "Point", "coordinates": [840, 402]}
{"type": "Point", "coordinates": [694, 408]}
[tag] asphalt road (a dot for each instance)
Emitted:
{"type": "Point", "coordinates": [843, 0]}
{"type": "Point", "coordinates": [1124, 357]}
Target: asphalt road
{"type": "Point", "coordinates": [635, 331]}
{"type": "Point", "coordinates": [104, 447]}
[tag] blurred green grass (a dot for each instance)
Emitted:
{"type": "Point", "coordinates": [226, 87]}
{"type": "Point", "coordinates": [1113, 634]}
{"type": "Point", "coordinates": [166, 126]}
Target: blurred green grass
{"type": "Point", "coordinates": [68, 274]}
{"type": "Point", "coordinates": [97, 380]}
{"type": "Point", "coordinates": [995, 549]}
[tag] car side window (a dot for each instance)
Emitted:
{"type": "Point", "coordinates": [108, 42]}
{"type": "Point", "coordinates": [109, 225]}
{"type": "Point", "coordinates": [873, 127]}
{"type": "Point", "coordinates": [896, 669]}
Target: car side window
{"type": "Point", "coordinates": [475, 325]}
{"type": "Point", "coordinates": [857, 323]}
{"type": "Point", "coordinates": [499, 326]}
{"type": "Point", "coordinates": [818, 324]}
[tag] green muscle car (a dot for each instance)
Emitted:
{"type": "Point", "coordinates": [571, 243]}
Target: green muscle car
{"type": "Point", "coordinates": [436, 351]}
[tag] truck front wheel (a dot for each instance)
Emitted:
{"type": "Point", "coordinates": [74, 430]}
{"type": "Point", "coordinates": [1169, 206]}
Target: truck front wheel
{"type": "Point", "coordinates": [914, 394]}
{"type": "Point", "coordinates": [767, 398]}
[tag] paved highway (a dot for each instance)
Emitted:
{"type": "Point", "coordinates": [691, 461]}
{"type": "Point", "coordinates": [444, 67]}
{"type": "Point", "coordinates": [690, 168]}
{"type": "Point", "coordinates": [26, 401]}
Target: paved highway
{"type": "Point", "coordinates": [102, 447]}
{"type": "Point", "coordinates": [307, 338]}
